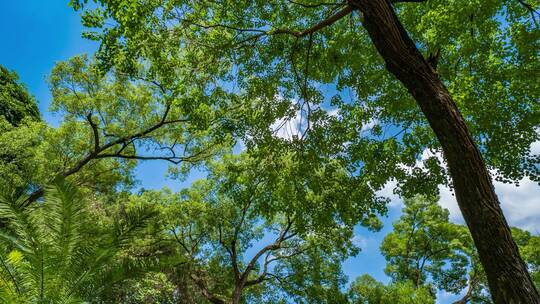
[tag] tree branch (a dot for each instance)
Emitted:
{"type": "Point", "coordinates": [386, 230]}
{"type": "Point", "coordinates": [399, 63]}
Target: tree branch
{"type": "Point", "coordinates": [124, 141]}
{"type": "Point", "coordinates": [325, 23]}
{"type": "Point", "coordinates": [407, 1]}
{"type": "Point", "coordinates": [94, 130]}
{"type": "Point", "coordinates": [531, 11]}
{"type": "Point", "coordinates": [317, 4]}
{"type": "Point", "coordinates": [298, 34]}
{"type": "Point", "coordinates": [283, 236]}
{"type": "Point", "coordinates": [205, 291]}
{"type": "Point", "coordinates": [267, 262]}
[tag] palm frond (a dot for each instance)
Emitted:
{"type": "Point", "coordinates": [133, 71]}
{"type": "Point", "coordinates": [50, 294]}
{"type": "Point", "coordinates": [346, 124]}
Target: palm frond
{"type": "Point", "coordinates": [59, 260]}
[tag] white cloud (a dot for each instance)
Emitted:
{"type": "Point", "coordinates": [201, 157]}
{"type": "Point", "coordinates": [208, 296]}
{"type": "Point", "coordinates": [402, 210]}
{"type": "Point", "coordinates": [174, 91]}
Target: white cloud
{"type": "Point", "coordinates": [427, 153]}
{"type": "Point", "coordinates": [448, 200]}
{"type": "Point", "coordinates": [360, 241]}
{"type": "Point", "coordinates": [388, 192]}
{"type": "Point", "coordinates": [334, 112]}
{"type": "Point", "coordinates": [447, 297]}
{"type": "Point", "coordinates": [287, 128]}
{"type": "Point", "coordinates": [290, 127]}
{"type": "Point", "coordinates": [369, 125]}
{"type": "Point", "coordinates": [520, 202]}
{"type": "Point", "coordinates": [535, 148]}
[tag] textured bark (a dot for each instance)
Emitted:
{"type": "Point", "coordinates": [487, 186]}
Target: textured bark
{"type": "Point", "coordinates": [205, 292]}
{"type": "Point", "coordinates": [237, 295]}
{"type": "Point", "coordinates": [507, 274]}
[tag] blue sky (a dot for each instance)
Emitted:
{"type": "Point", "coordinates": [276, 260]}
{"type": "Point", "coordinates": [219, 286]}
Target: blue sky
{"type": "Point", "coordinates": [36, 34]}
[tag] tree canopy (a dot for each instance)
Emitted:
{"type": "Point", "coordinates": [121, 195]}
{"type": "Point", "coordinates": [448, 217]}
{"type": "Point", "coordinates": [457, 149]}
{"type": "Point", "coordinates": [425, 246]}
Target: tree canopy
{"type": "Point", "coordinates": [15, 101]}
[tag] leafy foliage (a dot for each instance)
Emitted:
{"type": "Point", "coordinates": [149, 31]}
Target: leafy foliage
{"type": "Point", "coordinates": [242, 204]}
{"type": "Point", "coordinates": [50, 253]}
{"type": "Point", "coordinates": [530, 249]}
{"type": "Point", "coordinates": [322, 127]}
{"type": "Point", "coordinates": [487, 52]}
{"type": "Point", "coordinates": [425, 244]}
{"type": "Point", "coordinates": [15, 101]}
{"type": "Point", "coordinates": [366, 290]}
{"type": "Point", "coordinates": [426, 250]}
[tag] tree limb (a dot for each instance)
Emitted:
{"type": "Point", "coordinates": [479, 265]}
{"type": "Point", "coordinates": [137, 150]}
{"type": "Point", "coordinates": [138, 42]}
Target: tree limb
{"type": "Point", "coordinates": [274, 246]}
{"type": "Point", "coordinates": [315, 5]}
{"type": "Point", "coordinates": [94, 130]}
{"type": "Point", "coordinates": [205, 291]}
{"type": "Point", "coordinates": [298, 34]}
{"type": "Point", "coordinates": [124, 141]}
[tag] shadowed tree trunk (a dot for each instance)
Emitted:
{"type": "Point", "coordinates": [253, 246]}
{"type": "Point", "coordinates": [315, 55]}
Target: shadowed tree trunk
{"type": "Point", "coordinates": [507, 274]}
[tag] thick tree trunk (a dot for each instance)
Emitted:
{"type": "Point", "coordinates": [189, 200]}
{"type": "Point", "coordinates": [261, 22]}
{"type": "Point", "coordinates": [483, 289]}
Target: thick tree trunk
{"type": "Point", "coordinates": [240, 284]}
{"type": "Point", "coordinates": [507, 274]}
{"type": "Point", "coordinates": [237, 295]}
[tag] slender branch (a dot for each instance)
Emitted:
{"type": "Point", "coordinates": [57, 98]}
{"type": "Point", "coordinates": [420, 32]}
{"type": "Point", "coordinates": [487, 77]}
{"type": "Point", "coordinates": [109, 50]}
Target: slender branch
{"type": "Point", "coordinates": [325, 23]}
{"type": "Point", "coordinates": [180, 242]}
{"type": "Point", "coordinates": [407, 1]}
{"type": "Point", "coordinates": [124, 141]}
{"type": "Point", "coordinates": [260, 32]}
{"type": "Point", "coordinates": [232, 249]}
{"type": "Point", "coordinates": [305, 87]}
{"type": "Point", "coordinates": [472, 284]}
{"type": "Point", "coordinates": [283, 236]}
{"type": "Point", "coordinates": [267, 261]}
{"type": "Point", "coordinates": [94, 130]}
{"type": "Point", "coordinates": [262, 276]}
{"type": "Point", "coordinates": [531, 11]}
{"type": "Point", "coordinates": [163, 121]}
{"type": "Point", "coordinates": [173, 159]}
{"type": "Point", "coordinates": [315, 5]}
{"type": "Point", "coordinates": [298, 34]}
{"type": "Point", "coordinates": [232, 253]}
{"type": "Point", "coordinates": [205, 291]}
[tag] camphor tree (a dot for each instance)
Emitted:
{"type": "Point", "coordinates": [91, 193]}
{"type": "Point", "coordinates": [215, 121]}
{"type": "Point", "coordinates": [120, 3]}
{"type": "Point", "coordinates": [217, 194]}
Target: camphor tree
{"type": "Point", "coordinates": [426, 250]}
{"type": "Point", "coordinates": [367, 290]}
{"type": "Point", "coordinates": [458, 77]}
{"type": "Point", "coordinates": [109, 121]}
{"type": "Point", "coordinates": [17, 109]}
{"type": "Point", "coordinates": [529, 246]}
{"type": "Point", "coordinates": [264, 232]}
{"type": "Point", "coordinates": [51, 253]}
{"type": "Point", "coordinates": [15, 101]}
